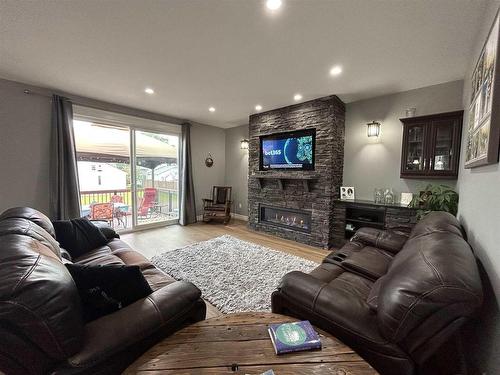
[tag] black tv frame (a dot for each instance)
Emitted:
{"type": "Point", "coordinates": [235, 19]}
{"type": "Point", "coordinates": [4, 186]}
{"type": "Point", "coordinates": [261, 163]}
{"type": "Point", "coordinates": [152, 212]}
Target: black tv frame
{"type": "Point", "coordinates": [290, 134]}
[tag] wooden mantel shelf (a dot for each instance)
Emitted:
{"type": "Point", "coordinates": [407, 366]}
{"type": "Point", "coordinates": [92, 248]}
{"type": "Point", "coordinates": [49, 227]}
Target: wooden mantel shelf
{"type": "Point", "coordinates": [282, 178]}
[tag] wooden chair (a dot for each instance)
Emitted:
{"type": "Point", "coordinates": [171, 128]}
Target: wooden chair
{"type": "Point", "coordinates": [219, 207]}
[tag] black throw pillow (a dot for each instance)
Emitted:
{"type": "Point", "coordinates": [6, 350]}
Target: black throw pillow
{"type": "Point", "coordinates": [105, 229]}
{"type": "Point", "coordinates": [108, 288]}
{"type": "Point", "coordinates": [78, 236]}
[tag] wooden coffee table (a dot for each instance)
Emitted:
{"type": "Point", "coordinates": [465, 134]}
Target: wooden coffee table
{"type": "Point", "coordinates": [240, 344]}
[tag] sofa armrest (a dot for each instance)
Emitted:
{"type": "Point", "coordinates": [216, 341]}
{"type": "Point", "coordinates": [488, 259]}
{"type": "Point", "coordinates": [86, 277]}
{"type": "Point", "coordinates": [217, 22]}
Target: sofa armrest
{"type": "Point", "coordinates": [382, 239]}
{"type": "Point", "coordinates": [302, 286]}
{"type": "Point", "coordinates": [115, 332]}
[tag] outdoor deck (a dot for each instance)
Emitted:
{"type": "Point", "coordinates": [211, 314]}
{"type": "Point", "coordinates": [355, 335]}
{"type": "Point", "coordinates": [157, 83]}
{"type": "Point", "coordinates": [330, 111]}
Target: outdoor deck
{"type": "Point", "coordinates": [162, 207]}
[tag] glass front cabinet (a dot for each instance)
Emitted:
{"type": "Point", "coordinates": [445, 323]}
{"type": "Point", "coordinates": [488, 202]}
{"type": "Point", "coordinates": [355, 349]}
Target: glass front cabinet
{"type": "Point", "coordinates": [431, 145]}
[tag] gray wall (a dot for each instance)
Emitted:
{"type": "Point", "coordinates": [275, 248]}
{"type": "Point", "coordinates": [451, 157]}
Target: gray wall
{"type": "Point", "coordinates": [479, 213]}
{"type": "Point", "coordinates": [237, 168]}
{"type": "Point", "coordinates": [25, 146]}
{"type": "Point", "coordinates": [207, 139]}
{"type": "Point", "coordinates": [479, 188]}
{"type": "Point", "coordinates": [369, 163]}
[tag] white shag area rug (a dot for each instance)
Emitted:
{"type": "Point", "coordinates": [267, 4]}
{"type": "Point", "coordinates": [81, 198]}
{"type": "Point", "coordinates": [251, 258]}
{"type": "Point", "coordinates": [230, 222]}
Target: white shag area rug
{"type": "Point", "coordinates": [233, 275]}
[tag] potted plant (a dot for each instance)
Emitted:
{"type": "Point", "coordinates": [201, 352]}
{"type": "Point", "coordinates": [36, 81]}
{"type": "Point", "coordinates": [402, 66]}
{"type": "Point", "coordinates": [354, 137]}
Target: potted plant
{"type": "Point", "coordinates": [435, 198]}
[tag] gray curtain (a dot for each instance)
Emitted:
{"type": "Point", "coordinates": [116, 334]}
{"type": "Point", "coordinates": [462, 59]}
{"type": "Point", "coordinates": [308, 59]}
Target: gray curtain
{"type": "Point", "coordinates": [65, 192]}
{"type": "Point", "coordinates": [187, 214]}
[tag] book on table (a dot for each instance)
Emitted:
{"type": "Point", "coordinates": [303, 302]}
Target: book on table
{"type": "Point", "coordinates": [294, 337]}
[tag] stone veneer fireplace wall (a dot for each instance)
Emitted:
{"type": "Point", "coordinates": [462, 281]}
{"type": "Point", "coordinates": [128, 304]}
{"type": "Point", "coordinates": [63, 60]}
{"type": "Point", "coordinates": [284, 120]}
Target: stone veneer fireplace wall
{"type": "Point", "coordinates": [311, 191]}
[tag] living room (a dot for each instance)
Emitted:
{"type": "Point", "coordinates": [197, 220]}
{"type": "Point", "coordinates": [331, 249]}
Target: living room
{"type": "Point", "coordinates": [181, 176]}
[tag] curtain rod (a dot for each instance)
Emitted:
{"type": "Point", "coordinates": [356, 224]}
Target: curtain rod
{"type": "Point", "coordinates": [117, 108]}
{"type": "Point", "coordinates": [31, 92]}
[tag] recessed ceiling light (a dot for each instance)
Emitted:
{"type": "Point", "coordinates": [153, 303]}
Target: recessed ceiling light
{"type": "Point", "coordinates": [149, 90]}
{"type": "Point", "coordinates": [258, 107]}
{"type": "Point", "coordinates": [336, 70]}
{"type": "Point", "coordinates": [212, 109]}
{"type": "Point", "coordinates": [297, 97]}
{"type": "Point", "coordinates": [273, 4]}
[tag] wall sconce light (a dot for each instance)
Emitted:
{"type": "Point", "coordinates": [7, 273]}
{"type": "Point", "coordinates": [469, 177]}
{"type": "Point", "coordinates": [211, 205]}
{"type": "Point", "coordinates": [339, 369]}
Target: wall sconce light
{"type": "Point", "coordinates": [244, 144]}
{"type": "Point", "coordinates": [373, 129]}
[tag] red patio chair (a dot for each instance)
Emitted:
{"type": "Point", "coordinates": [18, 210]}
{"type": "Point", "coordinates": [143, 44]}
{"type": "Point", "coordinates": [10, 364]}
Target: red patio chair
{"type": "Point", "coordinates": [102, 211]}
{"type": "Point", "coordinates": [147, 202]}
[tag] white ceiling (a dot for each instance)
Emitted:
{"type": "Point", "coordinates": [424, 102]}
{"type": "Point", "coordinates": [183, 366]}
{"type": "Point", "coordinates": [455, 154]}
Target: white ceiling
{"type": "Point", "coordinates": [234, 54]}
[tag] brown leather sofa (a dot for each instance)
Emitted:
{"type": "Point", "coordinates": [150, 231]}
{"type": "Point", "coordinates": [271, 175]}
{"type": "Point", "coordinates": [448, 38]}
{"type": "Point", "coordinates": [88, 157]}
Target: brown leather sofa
{"type": "Point", "coordinates": [392, 298]}
{"type": "Point", "coordinates": [41, 325]}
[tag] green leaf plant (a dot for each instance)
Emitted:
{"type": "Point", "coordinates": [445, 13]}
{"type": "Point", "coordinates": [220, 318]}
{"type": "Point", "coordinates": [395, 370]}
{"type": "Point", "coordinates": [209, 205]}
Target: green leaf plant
{"type": "Point", "coordinates": [435, 198]}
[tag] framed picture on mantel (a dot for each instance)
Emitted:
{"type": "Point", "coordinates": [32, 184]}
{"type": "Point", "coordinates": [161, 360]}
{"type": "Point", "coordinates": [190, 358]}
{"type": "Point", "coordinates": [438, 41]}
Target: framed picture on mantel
{"type": "Point", "coordinates": [483, 132]}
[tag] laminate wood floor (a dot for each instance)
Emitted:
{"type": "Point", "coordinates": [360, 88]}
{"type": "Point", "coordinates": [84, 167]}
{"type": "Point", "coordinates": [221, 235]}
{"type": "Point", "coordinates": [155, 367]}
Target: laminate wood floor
{"type": "Point", "coordinates": [155, 241]}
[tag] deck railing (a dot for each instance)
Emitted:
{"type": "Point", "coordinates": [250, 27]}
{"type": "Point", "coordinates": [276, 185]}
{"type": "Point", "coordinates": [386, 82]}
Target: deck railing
{"type": "Point", "coordinates": [165, 198]}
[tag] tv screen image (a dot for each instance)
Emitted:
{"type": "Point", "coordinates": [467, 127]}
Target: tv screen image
{"type": "Point", "coordinates": [288, 150]}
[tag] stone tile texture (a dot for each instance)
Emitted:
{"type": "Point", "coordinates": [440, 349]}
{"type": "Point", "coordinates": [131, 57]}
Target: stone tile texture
{"type": "Point", "coordinates": [327, 116]}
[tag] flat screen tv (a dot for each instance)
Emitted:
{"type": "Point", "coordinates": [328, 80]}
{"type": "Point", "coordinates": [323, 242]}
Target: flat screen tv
{"type": "Point", "coordinates": [291, 150]}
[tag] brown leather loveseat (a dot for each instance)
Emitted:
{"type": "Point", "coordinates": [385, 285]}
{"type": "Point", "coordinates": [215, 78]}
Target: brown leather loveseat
{"type": "Point", "coordinates": [41, 325]}
{"type": "Point", "coordinates": [392, 298]}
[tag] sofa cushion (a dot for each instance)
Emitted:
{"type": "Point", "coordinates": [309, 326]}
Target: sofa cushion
{"type": "Point", "coordinates": [369, 262]}
{"type": "Point", "coordinates": [99, 256]}
{"type": "Point", "coordinates": [327, 272]}
{"type": "Point", "coordinates": [105, 289]}
{"type": "Point", "coordinates": [119, 252]}
{"type": "Point", "coordinates": [78, 236]}
{"type": "Point", "coordinates": [382, 239]}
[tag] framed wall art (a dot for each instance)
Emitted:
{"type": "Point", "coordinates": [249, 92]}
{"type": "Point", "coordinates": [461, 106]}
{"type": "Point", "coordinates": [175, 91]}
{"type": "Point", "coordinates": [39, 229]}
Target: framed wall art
{"type": "Point", "coordinates": [483, 132]}
{"type": "Point", "coordinates": [347, 192]}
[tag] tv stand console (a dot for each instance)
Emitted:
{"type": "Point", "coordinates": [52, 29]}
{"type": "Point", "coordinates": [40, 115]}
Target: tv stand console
{"type": "Point", "coordinates": [350, 215]}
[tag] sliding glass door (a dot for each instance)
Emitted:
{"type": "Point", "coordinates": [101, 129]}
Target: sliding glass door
{"type": "Point", "coordinates": [103, 159]}
{"type": "Point", "coordinates": [128, 177]}
{"type": "Point", "coordinates": [156, 177]}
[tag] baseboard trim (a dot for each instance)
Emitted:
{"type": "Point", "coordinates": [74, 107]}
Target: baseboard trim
{"type": "Point", "coordinates": [240, 217]}
{"type": "Point", "coordinates": [234, 216]}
